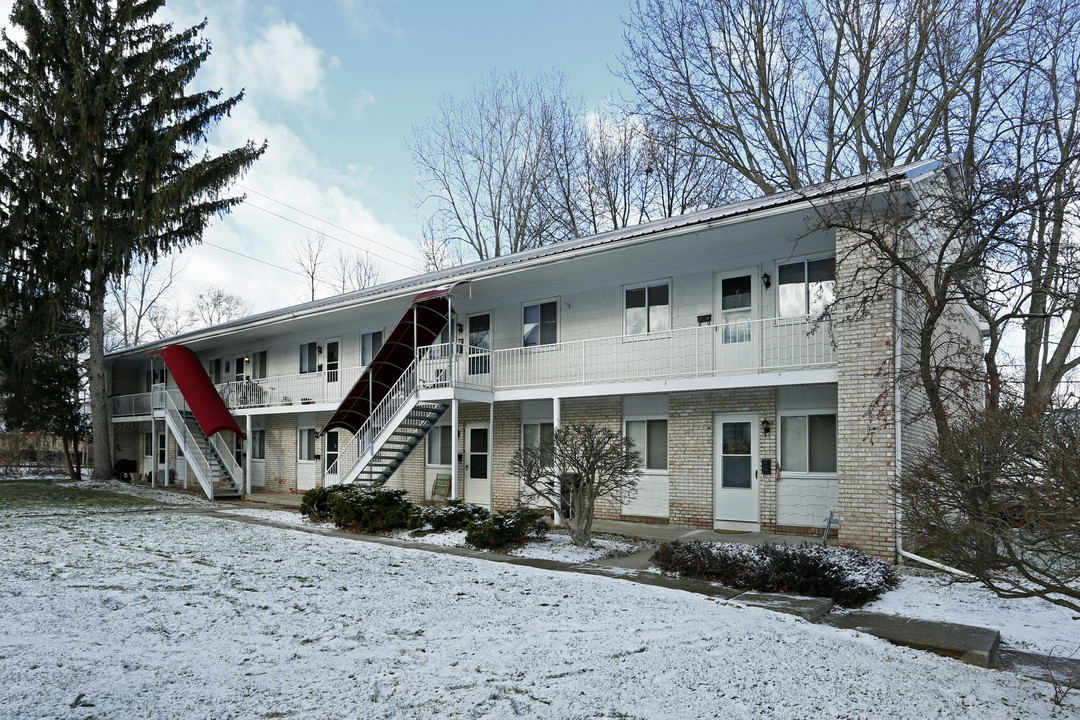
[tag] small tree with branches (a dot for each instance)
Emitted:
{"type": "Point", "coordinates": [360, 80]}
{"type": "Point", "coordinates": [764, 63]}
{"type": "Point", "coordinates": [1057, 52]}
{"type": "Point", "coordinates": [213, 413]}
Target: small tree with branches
{"type": "Point", "coordinates": [587, 461]}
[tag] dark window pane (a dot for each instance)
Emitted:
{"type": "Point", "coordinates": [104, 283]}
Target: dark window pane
{"type": "Point", "coordinates": [736, 472]}
{"type": "Point", "coordinates": [822, 443]}
{"type": "Point", "coordinates": [735, 293]}
{"type": "Point", "coordinates": [549, 323]}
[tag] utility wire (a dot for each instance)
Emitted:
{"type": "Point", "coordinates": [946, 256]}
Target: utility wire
{"type": "Point", "coordinates": [410, 268]}
{"type": "Point", "coordinates": [251, 257]}
{"type": "Point", "coordinates": [326, 222]}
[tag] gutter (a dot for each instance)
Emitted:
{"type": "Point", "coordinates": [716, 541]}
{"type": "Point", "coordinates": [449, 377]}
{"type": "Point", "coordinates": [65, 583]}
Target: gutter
{"type": "Point", "coordinates": [898, 314]}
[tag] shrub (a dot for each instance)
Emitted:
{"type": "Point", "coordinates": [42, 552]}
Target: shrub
{"type": "Point", "coordinates": [317, 503]}
{"type": "Point", "coordinates": [360, 509]}
{"type": "Point", "coordinates": [455, 515]}
{"type": "Point", "coordinates": [508, 529]}
{"type": "Point", "coordinates": [848, 575]}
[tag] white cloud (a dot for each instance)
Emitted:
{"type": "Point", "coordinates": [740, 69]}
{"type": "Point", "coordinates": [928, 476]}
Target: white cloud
{"type": "Point", "coordinates": [283, 64]}
{"type": "Point", "coordinates": [360, 102]}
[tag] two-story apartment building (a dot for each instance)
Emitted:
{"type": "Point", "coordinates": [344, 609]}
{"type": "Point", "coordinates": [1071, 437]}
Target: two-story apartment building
{"type": "Point", "coordinates": [696, 336]}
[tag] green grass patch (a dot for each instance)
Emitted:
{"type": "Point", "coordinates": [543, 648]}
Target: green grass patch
{"type": "Point", "coordinates": [37, 495]}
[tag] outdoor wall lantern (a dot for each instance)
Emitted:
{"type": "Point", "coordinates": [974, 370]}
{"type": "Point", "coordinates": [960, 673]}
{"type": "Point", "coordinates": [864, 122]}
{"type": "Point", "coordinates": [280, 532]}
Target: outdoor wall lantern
{"type": "Point", "coordinates": [460, 329]}
{"type": "Point", "coordinates": [766, 280]}
{"type": "Point", "coordinates": [319, 348]}
{"type": "Point", "coordinates": [766, 425]}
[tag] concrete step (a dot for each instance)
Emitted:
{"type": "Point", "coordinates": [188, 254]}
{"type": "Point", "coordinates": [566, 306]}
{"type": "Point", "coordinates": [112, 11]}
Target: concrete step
{"type": "Point", "coordinates": [973, 645]}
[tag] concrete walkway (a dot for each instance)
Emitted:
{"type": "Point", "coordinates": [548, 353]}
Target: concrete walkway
{"type": "Point", "coordinates": [971, 644]}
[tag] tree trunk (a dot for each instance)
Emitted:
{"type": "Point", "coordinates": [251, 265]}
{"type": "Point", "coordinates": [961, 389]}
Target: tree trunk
{"type": "Point", "coordinates": [67, 459]}
{"type": "Point", "coordinates": [99, 399]}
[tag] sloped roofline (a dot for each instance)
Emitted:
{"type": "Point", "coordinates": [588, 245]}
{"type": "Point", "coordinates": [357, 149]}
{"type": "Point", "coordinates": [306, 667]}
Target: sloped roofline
{"type": "Point", "coordinates": [407, 287]}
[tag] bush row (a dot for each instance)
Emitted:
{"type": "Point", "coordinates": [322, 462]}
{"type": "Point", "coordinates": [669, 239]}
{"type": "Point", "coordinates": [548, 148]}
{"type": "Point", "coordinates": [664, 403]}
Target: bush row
{"type": "Point", "coordinates": [380, 509]}
{"type": "Point", "coordinates": [847, 575]}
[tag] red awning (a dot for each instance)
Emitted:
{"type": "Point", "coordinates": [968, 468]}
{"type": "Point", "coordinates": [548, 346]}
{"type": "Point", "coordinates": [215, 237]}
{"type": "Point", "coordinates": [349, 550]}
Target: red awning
{"type": "Point", "coordinates": [201, 395]}
{"type": "Point", "coordinates": [419, 326]}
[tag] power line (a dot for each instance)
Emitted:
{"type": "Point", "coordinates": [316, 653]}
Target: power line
{"type": "Point", "coordinates": [325, 222]}
{"type": "Point", "coordinates": [250, 257]}
{"type": "Point", "coordinates": [410, 268]}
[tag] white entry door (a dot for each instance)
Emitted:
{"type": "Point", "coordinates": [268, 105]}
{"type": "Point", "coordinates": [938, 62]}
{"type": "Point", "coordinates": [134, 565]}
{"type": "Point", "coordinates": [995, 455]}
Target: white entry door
{"type": "Point", "coordinates": [737, 333]}
{"type": "Point", "coordinates": [330, 458]}
{"type": "Point", "coordinates": [307, 467]}
{"type": "Point", "coordinates": [332, 365]}
{"type": "Point", "coordinates": [735, 495]}
{"type": "Point", "coordinates": [477, 452]}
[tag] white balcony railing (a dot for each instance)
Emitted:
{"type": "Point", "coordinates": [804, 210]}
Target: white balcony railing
{"type": "Point", "coordinates": [744, 347]}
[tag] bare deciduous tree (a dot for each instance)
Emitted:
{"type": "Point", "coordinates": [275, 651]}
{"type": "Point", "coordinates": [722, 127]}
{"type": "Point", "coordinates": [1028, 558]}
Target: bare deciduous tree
{"type": "Point", "coordinates": [139, 303]}
{"type": "Point", "coordinates": [214, 305]}
{"type": "Point", "coordinates": [352, 271]}
{"type": "Point", "coordinates": [485, 162]}
{"type": "Point", "coordinates": [309, 254]}
{"type": "Point", "coordinates": [588, 461]}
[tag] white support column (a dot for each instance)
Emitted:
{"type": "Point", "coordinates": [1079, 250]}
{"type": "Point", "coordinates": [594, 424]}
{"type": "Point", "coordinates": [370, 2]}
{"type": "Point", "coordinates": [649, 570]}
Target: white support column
{"type": "Point", "coordinates": [556, 419]}
{"type": "Point", "coordinates": [247, 457]}
{"type": "Point", "coordinates": [153, 446]}
{"type": "Point", "coordinates": [165, 482]}
{"type": "Point", "coordinates": [491, 457]}
{"type": "Point", "coordinates": [454, 449]}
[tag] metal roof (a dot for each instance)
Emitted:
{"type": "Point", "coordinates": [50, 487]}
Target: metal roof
{"type": "Point", "coordinates": [435, 280]}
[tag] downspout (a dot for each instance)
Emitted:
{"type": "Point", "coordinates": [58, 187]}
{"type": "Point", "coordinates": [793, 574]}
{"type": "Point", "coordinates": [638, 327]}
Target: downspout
{"type": "Point", "coordinates": [898, 416]}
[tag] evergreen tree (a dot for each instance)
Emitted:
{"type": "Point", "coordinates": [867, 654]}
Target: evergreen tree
{"type": "Point", "coordinates": [100, 156]}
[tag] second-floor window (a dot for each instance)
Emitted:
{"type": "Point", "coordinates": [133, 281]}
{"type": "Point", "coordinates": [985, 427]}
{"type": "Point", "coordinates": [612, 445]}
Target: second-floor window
{"type": "Point", "coordinates": [539, 324]}
{"type": "Point", "coordinates": [648, 309]}
{"type": "Point", "coordinates": [309, 357]}
{"type": "Point", "coordinates": [806, 287]}
{"type": "Point", "coordinates": [370, 342]}
{"type": "Point", "coordinates": [258, 365]}
{"type": "Point", "coordinates": [215, 370]}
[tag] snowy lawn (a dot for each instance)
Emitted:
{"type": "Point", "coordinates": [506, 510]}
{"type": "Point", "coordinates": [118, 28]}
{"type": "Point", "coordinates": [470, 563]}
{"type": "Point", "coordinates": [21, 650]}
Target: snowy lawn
{"type": "Point", "coordinates": [1029, 624]}
{"type": "Point", "coordinates": [179, 615]}
{"type": "Point", "coordinates": [42, 496]}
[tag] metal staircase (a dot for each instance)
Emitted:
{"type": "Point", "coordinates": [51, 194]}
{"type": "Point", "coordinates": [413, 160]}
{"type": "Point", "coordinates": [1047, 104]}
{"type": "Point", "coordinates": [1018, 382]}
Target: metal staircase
{"type": "Point", "coordinates": [393, 430]}
{"type": "Point", "coordinates": [209, 458]}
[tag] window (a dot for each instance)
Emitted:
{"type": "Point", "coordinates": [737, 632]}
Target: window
{"type": "Point", "coordinates": [238, 450]}
{"type": "Point", "coordinates": [648, 309]}
{"type": "Point", "coordinates": [258, 365]}
{"type": "Point", "coordinates": [215, 370]}
{"type": "Point", "coordinates": [148, 445]}
{"type": "Point", "coordinates": [161, 449]}
{"type": "Point", "coordinates": [535, 434]}
{"type": "Point", "coordinates": [309, 353]}
{"type": "Point", "coordinates": [438, 445]}
{"type": "Point", "coordinates": [305, 444]}
{"type": "Point", "coordinates": [808, 443]}
{"type": "Point", "coordinates": [650, 439]}
{"type": "Point", "coordinates": [258, 444]}
{"type": "Point", "coordinates": [370, 342]}
{"type": "Point", "coordinates": [806, 287]}
{"type": "Point", "coordinates": [539, 324]}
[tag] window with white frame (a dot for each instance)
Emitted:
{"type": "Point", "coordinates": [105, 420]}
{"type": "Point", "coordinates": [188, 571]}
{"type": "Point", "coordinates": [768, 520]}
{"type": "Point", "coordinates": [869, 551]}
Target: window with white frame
{"type": "Point", "coordinates": [438, 445]}
{"type": "Point", "coordinates": [214, 367]}
{"type": "Point", "coordinates": [535, 434]}
{"type": "Point", "coordinates": [309, 357]}
{"type": "Point", "coordinates": [651, 440]}
{"type": "Point", "coordinates": [647, 308]}
{"type": "Point", "coordinates": [305, 444]}
{"type": "Point", "coordinates": [808, 443]}
{"type": "Point", "coordinates": [540, 324]}
{"type": "Point", "coordinates": [258, 365]}
{"type": "Point", "coordinates": [148, 444]}
{"type": "Point", "coordinates": [806, 287]}
{"type": "Point", "coordinates": [370, 342]}
{"type": "Point", "coordinates": [258, 444]}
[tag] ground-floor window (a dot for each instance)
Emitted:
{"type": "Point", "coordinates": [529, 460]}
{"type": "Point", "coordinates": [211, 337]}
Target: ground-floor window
{"type": "Point", "coordinates": [651, 440]}
{"type": "Point", "coordinates": [438, 445]}
{"type": "Point", "coordinates": [536, 434]}
{"type": "Point", "coordinates": [808, 443]}
{"type": "Point", "coordinates": [258, 444]}
{"type": "Point", "coordinates": [148, 444]}
{"type": "Point", "coordinates": [305, 444]}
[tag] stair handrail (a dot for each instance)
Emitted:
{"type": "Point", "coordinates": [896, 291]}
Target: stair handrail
{"type": "Point", "coordinates": [228, 460]}
{"type": "Point", "coordinates": [192, 451]}
{"type": "Point", "coordinates": [400, 392]}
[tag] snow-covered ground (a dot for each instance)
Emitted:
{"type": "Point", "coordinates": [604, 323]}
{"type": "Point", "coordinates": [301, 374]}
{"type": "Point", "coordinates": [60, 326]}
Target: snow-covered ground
{"type": "Point", "coordinates": [1030, 624]}
{"type": "Point", "coordinates": [180, 615]}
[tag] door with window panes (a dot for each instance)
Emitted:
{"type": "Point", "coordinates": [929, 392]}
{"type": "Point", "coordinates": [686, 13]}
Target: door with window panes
{"type": "Point", "coordinates": [736, 339]}
{"type": "Point", "coordinates": [735, 495]}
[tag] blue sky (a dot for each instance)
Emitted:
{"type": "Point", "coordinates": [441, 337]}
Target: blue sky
{"type": "Point", "coordinates": [335, 86]}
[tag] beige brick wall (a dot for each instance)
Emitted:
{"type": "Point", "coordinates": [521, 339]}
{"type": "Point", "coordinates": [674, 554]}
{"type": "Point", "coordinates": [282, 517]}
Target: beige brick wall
{"type": "Point", "coordinates": [281, 453]}
{"type": "Point", "coordinates": [691, 453]}
{"type": "Point", "coordinates": [865, 418]}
